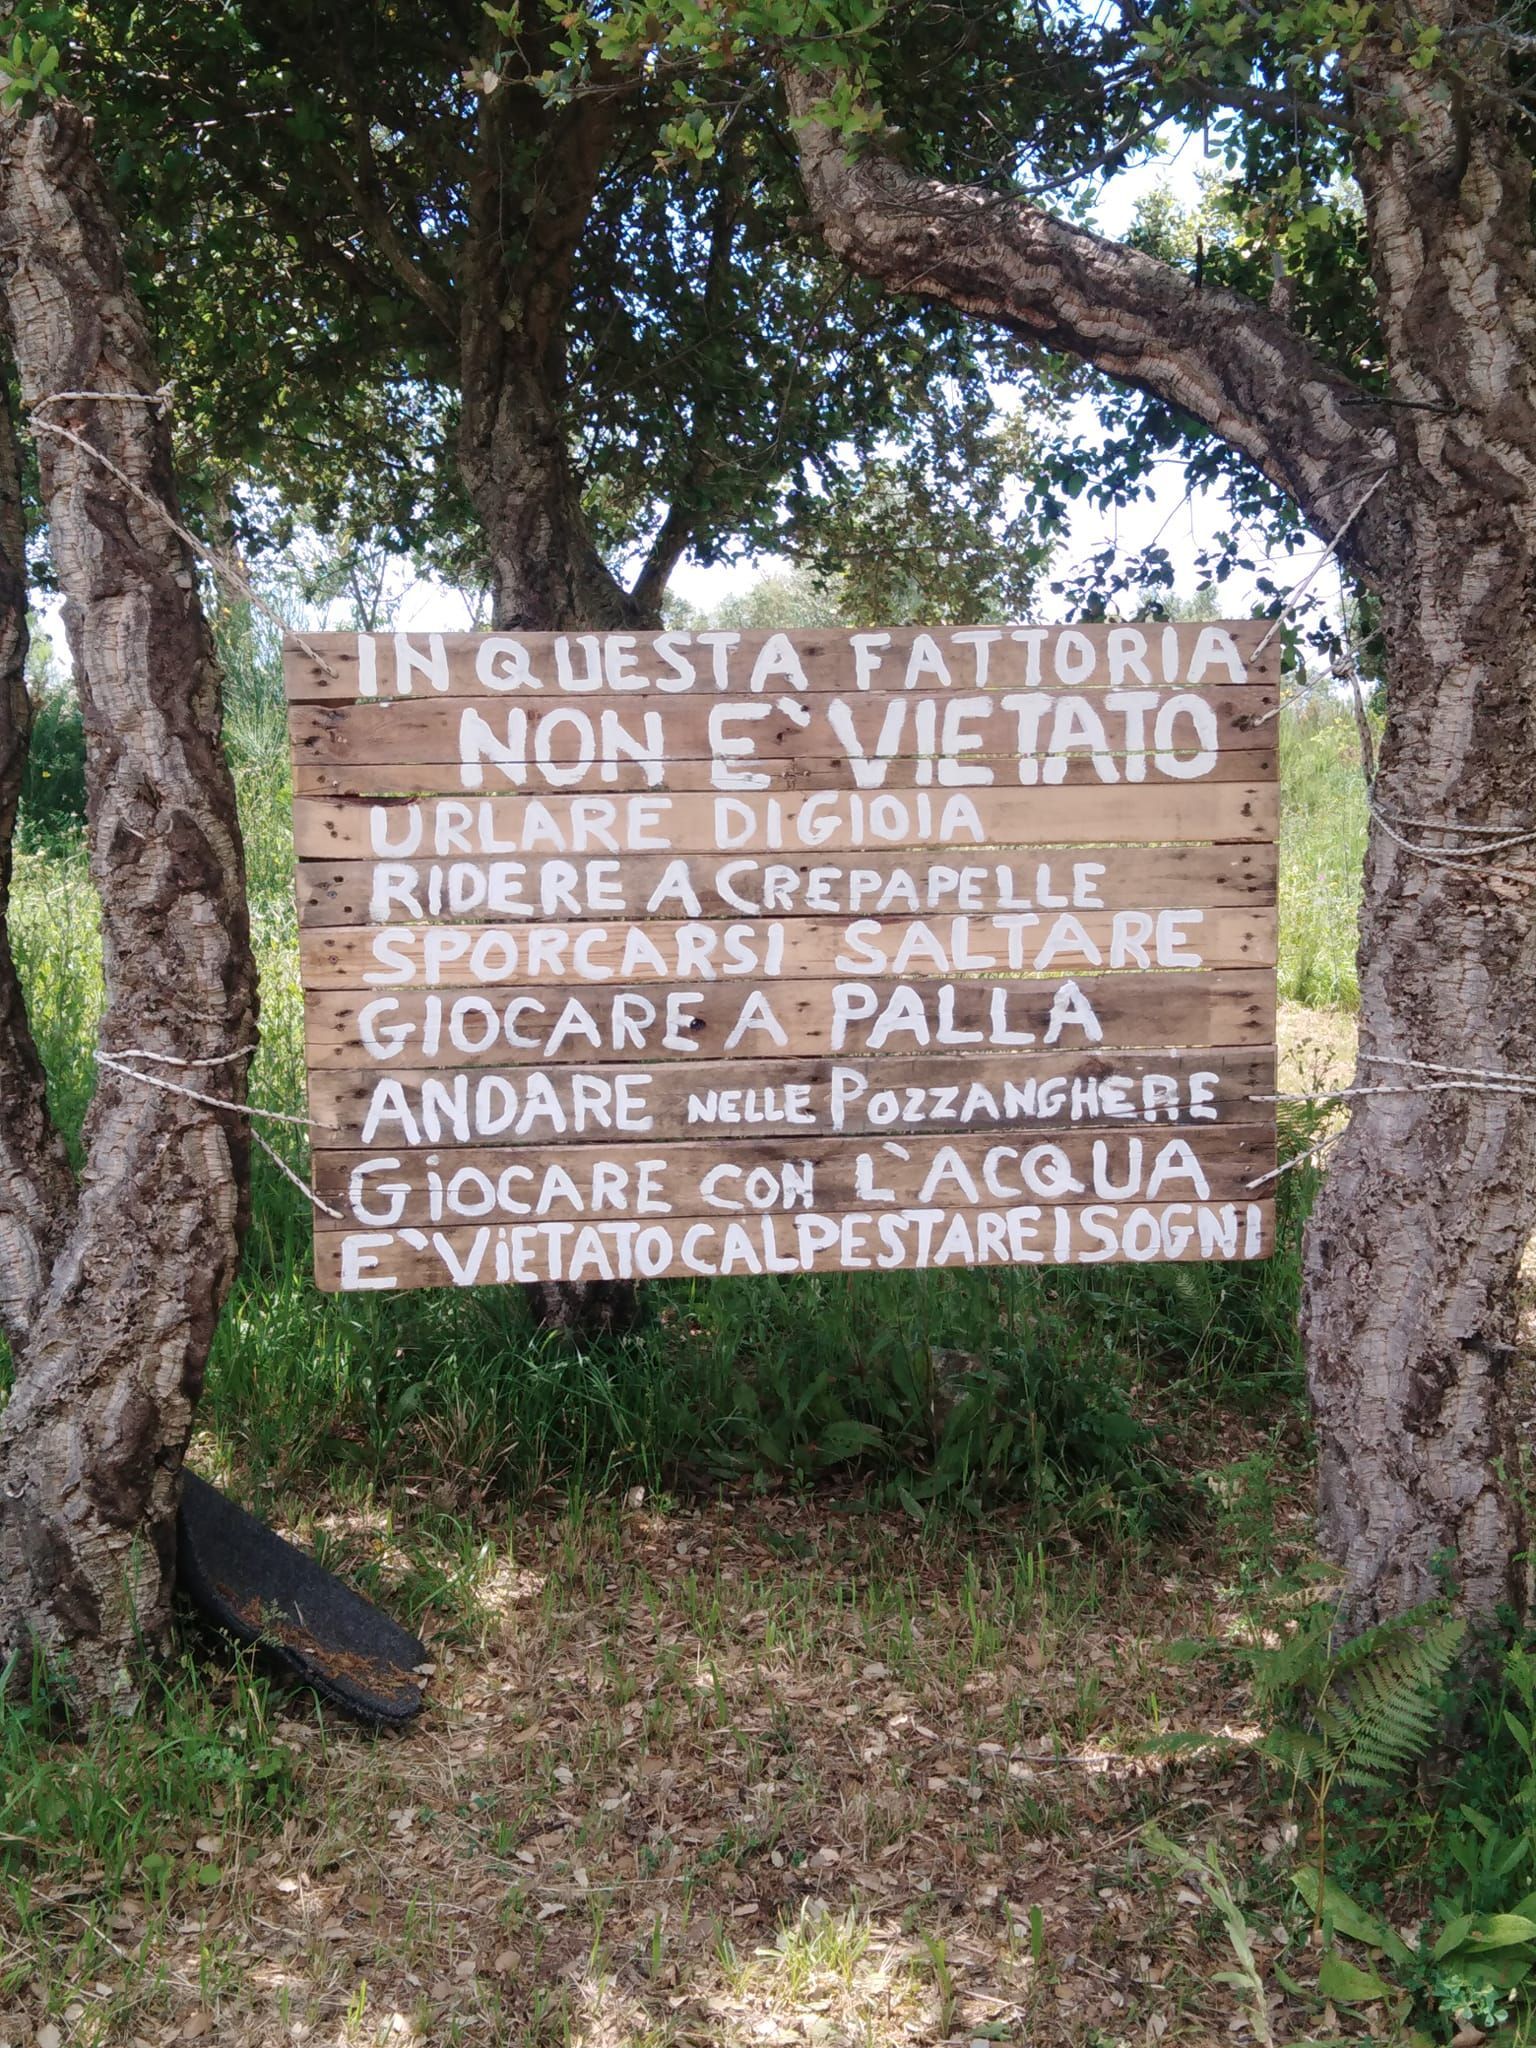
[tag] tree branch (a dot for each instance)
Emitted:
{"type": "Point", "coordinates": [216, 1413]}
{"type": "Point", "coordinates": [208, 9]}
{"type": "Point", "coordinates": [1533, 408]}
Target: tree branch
{"type": "Point", "coordinates": [370, 202]}
{"type": "Point", "coordinates": [662, 557]}
{"type": "Point", "coordinates": [1229, 363]}
{"type": "Point", "coordinates": [286, 211]}
{"type": "Point", "coordinates": [36, 1184]}
{"type": "Point", "coordinates": [678, 528]}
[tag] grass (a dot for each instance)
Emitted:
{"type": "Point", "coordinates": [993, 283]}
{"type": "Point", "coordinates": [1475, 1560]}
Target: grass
{"type": "Point", "coordinates": [727, 1772]}
{"type": "Point", "coordinates": [1322, 846]}
{"type": "Point", "coordinates": [793, 1650]}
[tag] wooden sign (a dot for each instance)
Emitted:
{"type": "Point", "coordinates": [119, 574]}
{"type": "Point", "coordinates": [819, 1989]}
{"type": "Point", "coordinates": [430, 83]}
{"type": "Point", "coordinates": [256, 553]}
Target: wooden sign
{"type": "Point", "coordinates": [629, 955]}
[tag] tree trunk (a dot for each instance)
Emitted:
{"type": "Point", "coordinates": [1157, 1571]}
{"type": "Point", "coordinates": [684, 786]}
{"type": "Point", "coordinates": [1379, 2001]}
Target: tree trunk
{"type": "Point", "coordinates": [1413, 1252]}
{"type": "Point", "coordinates": [110, 1361]}
{"type": "Point", "coordinates": [515, 457]}
{"type": "Point", "coordinates": [515, 429]}
{"type": "Point", "coordinates": [1412, 1256]}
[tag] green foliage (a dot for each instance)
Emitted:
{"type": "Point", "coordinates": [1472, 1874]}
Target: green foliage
{"type": "Point", "coordinates": [936, 530]}
{"type": "Point", "coordinates": [29, 71]}
{"type": "Point", "coordinates": [1462, 1970]}
{"type": "Point", "coordinates": [1455, 1854]}
{"type": "Point", "coordinates": [946, 1393]}
{"type": "Point", "coordinates": [115, 1806]}
{"type": "Point", "coordinates": [53, 786]}
{"type": "Point", "coordinates": [1421, 1900]}
{"type": "Point", "coordinates": [308, 199]}
{"type": "Point", "coordinates": [777, 601]}
{"type": "Point", "coordinates": [1206, 1872]}
{"type": "Point", "coordinates": [1360, 1712]}
{"type": "Point", "coordinates": [1322, 850]}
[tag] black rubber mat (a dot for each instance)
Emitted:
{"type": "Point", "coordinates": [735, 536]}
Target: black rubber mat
{"type": "Point", "coordinates": [263, 1590]}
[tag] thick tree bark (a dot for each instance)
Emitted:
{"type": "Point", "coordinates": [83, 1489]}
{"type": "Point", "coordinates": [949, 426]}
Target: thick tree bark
{"type": "Point", "coordinates": [1412, 1255]}
{"type": "Point", "coordinates": [515, 458]}
{"type": "Point", "coordinates": [110, 1360]}
{"type": "Point", "coordinates": [514, 435]}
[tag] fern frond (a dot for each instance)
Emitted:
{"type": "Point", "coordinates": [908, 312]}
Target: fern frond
{"type": "Point", "coordinates": [1364, 1711]}
{"type": "Point", "coordinates": [1382, 1716]}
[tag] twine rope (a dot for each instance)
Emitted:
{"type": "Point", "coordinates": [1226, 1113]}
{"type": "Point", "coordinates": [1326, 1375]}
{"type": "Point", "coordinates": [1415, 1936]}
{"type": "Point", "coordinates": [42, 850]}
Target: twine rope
{"type": "Point", "coordinates": [1492, 839]}
{"type": "Point", "coordinates": [169, 1059]}
{"type": "Point", "coordinates": [1335, 673]}
{"type": "Point", "coordinates": [117, 1063]}
{"type": "Point", "coordinates": [160, 400]}
{"type": "Point", "coordinates": [1444, 1079]}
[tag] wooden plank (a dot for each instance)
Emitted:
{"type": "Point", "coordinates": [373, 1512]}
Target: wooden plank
{"type": "Point", "coordinates": [794, 885]}
{"type": "Point", "coordinates": [382, 1105]}
{"type": "Point", "coordinates": [565, 745]}
{"type": "Point", "coordinates": [857, 951]}
{"type": "Point", "coordinates": [852, 1019]}
{"type": "Point", "coordinates": [766, 949]}
{"type": "Point", "coordinates": [713, 1247]}
{"type": "Point", "coordinates": [784, 775]}
{"type": "Point", "coordinates": [767, 1176]}
{"type": "Point", "coordinates": [1118, 815]}
{"type": "Point", "coordinates": [658, 665]}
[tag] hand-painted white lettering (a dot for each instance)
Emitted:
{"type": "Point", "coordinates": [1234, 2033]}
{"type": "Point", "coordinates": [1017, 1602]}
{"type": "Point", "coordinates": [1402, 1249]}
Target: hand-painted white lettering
{"type": "Point", "coordinates": [1031, 639]}
{"type": "Point", "coordinates": [1165, 738]}
{"type": "Point", "coordinates": [720, 645]}
{"type": "Point", "coordinates": [586, 646]}
{"type": "Point", "coordinates": [1126, 655]}
{"type": "Point", "coordinates": [777, 662]}
{"type": "Point", "coordinates": [1215, 646]}
{"type": "Point", "coordinates": [682, 674]}
{"type": "Point", "coordinates": [362, 1261]}
{"type": "Point", "coordinates": [825, 889]}
{"type": "Point", "coordinates": [410, 661]}
{"type": "Point", "coordinates": [894, 818]}
{"type": "Point", "coordinates": [925, 660]}
{"type": "Point", "coordinates": [1026, 1234]}
{"type": "Point", "coordinates": [502, 663]}
{"type": "Point", "coordinates": [867, 656]}
{"type": "Point", "coordinates": [729, 745]}
{"type": "Point", "coordinates": [756, 1014]}
{"type": "Point", "coordinates": [1132, 706]}
{"type": "Point", "coordinates": [787, 1185]}
{"type": "Point", "coordinates": [980, 639]}
{"type": "Point", "coordinates": [560, 747]}
{"type": "Point", "coordinates": [733, 1107]}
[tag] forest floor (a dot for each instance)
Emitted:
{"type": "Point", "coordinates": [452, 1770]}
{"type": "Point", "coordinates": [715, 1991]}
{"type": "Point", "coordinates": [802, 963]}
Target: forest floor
{"type": "Point", "coordinates": [764, 1771]}
{"type": "Point", "coordinates": [756, 1767]}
